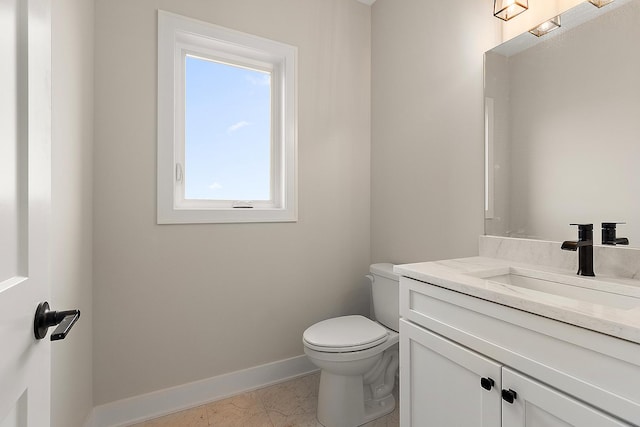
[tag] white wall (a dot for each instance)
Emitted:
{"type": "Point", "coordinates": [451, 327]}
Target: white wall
{"type": "Point", "coordinates": [71, 263]}
{"type": "Point", "coordinates": [178, 303]}
{"type": "Point", "coordinates": [427, 127]}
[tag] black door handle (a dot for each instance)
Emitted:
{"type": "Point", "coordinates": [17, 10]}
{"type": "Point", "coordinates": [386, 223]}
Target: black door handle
{"type": "Point", "coordinates": [487, 383]}
{"type": "Point", "coordinates": [45, 318]}
{"type": "Point", "coordinates": [509, 395]}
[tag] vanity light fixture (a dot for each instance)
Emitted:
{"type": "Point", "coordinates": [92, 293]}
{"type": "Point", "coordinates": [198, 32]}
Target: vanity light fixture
{"type": "Point", "coordinates": [600, 3]}
{"type": "Point", "coordinates": [546, 27]}
{"type": "Point", "coordinates": [507, 9]}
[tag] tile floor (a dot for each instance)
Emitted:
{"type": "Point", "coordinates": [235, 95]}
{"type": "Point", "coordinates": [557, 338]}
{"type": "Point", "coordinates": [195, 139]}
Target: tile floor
{"type": "Point", "coordinates": [289, 404]}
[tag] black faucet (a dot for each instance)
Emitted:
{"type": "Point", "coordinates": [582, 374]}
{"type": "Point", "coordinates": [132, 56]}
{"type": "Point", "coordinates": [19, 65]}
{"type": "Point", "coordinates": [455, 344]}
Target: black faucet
{"type": "Point", "coordinates": [584, 246]}
{"type": "Point", "coordinates": [609, 234]}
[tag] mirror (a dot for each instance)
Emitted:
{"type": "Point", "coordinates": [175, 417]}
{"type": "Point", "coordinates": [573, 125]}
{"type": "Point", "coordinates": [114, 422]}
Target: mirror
{"type": "Point", "coordinates": [562, 127]}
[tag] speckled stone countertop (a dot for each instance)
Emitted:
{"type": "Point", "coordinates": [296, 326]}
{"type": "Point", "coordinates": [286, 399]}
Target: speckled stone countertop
{"type": "Point", "coordinates": [610, 305]}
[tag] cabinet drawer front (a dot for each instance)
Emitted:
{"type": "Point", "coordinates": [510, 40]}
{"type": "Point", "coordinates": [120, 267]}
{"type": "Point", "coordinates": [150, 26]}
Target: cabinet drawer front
{"type": "Point", "coordinates": [444, 388]}
{"type": "Point", "coordinates": [570, 358]}
{"type": "Point", "coordinates": [537, 405]}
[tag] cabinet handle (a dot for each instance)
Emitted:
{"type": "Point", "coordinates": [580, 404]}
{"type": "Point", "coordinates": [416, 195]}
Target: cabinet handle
{"type": "Point", "coordinates": [509, 395]}
{"type": "Point", "coordinates": [487, 383]}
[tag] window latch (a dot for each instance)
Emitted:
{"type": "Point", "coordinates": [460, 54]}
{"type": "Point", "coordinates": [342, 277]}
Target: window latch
{"type": "Point", "coordinates": [243, 204]}
{"type": "Point", "coordinates": [179, 173]}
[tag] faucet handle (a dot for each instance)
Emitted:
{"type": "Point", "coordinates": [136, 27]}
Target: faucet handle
{"type": "Point", "coordinates": [585, 232]}
{"type": "Point", "coordinates": [609, 234]}
{"type": "Point", "coordinates": [612, 224]}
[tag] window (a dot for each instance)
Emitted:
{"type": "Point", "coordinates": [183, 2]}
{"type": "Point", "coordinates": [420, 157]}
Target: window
{"type": "Point", "coordinates": [226, 125]}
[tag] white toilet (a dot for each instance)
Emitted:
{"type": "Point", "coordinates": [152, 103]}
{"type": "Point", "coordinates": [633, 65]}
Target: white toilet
{"type": "Point", "coordinates": [358, 357]}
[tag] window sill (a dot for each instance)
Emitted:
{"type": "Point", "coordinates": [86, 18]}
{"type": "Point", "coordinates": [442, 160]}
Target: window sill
{"type": "Point", "coordinates": [225, 216]}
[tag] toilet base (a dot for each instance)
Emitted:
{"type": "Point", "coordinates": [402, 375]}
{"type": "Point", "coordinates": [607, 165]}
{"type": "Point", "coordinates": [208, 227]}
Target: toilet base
{"type": "Point", "coordinates": [378, 408]}
{"type": "Point", "coordinates": [340, 402]}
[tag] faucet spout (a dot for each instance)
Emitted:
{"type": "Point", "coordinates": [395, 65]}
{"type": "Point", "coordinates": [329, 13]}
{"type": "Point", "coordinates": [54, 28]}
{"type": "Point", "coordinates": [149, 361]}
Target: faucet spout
{"type": "Point", "coordinates": [570, 245]}
{"type": "Point", "coordinates": [584, 246]}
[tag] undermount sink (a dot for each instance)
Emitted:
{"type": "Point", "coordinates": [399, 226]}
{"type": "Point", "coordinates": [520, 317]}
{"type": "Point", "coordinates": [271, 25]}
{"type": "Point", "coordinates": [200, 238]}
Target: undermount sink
{"type": "Point", "coordinates": [589, 290]}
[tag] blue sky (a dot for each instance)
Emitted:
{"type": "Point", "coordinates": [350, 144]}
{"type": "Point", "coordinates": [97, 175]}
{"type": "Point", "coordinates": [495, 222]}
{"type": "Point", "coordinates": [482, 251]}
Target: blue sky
{"type": "Point", "coordinates": [227, 130]}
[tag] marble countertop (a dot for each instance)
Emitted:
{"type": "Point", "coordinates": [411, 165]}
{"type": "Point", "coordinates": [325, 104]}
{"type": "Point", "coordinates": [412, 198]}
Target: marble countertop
{"type": "Point", "coordinates": [465, 275]}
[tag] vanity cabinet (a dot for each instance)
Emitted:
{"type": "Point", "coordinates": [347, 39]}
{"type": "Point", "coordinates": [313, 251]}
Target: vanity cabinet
{"type": "Point", "coordinates": [444, 382]}
{"type": "Point", "coordinates": [460, 354]}
{"type": "Point", "coordinates": [537, 405]}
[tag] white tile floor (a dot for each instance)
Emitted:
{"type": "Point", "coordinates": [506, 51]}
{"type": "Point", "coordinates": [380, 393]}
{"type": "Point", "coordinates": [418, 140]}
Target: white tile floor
{"type": "Point", "coordinates": [289, 404]}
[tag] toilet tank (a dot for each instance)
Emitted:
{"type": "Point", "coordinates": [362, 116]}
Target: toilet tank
{"type": "Point", "coordinates": [385, 289]}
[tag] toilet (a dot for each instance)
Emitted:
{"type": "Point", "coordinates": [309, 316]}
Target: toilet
{"type": "Point", "coordinates": [358, 357]}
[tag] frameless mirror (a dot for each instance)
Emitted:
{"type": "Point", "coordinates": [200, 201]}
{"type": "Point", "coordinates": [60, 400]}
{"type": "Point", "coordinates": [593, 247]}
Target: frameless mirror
{"type": "Point", "coordinates": [562, 127]}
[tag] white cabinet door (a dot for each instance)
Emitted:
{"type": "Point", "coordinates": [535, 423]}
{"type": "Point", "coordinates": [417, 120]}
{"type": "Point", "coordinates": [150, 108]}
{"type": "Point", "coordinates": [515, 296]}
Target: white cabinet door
{"type": "Point", "coordinates": [24, 205]}
{"type": "Point", "coordinates": [536, 405]}
{"type": "Point", "coordinates": [441, 382]}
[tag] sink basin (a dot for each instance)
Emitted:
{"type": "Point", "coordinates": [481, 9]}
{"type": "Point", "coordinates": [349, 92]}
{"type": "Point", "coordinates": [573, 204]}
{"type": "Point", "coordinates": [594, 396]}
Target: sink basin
{"type": "Point", "coordinates": [589, 290]}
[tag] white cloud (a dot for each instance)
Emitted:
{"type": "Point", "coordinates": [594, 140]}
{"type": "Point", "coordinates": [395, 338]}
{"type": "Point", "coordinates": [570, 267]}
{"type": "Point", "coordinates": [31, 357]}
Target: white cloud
{"type": "Point", "coordinates": [236, 126]}
{"type": "Point", "coordinates": [263, 80]}
{"type": "Point", "coordinates": [215, 186]}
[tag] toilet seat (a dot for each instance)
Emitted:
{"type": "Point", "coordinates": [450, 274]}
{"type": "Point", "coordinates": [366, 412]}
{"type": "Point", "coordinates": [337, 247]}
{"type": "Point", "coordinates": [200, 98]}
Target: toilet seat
{"type": "Point", "coordinates": [345, 334]}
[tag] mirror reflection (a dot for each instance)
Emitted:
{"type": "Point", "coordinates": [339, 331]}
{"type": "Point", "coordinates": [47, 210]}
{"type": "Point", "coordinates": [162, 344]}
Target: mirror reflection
{"type": "Point", "coordinates": [562, 118]}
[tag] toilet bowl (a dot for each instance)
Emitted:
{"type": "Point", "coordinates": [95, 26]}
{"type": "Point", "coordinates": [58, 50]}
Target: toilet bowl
{"type": "Point", "coordinates": [358, 358]}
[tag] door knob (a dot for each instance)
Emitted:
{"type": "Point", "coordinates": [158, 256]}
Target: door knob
{"type": "Point", "coordinates": [46, 318]}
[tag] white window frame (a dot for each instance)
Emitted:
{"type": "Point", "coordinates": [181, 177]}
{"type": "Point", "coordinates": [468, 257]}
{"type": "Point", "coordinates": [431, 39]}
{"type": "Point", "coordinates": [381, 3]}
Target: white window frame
{"type": "Point", "coordinates": [178, 37]}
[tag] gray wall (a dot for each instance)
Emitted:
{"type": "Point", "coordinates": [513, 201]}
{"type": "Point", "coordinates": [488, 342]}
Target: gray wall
{"type": "Point", "coordinates": [427, 127]}
{"type": "Point", "coordinates": [178, 303]}
{"type": "Point", "coordinates": [71, 262]}
{"type": "Point", "coordinates": [243, 294]}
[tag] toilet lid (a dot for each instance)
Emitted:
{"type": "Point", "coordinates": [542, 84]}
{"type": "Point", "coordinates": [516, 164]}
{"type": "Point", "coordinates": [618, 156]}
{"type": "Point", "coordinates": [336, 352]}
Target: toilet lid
{"type": "Point", "coordinates": [342, 334]}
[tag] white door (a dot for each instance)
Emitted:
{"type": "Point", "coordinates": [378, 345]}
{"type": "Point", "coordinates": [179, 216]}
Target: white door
{"type": "Point", "coordinates": [24, 209]}
{"type": "Point", "coordinates": [537, 405]}
{"type": "Point", "coordinates": [445, 384]}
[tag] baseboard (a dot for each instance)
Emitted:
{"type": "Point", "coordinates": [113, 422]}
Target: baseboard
{"type": "Point", "coordinates": [90, 420]}
{"type": "Point", "coordinates": [162, 402]}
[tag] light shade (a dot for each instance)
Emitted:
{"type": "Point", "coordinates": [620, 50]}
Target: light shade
{"type": "Point", "coordinates": [600, 3]}
{"type": "Point", "coordinates": [546, 27]}
{"type": "Point", "coordinates": [507, 9]}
